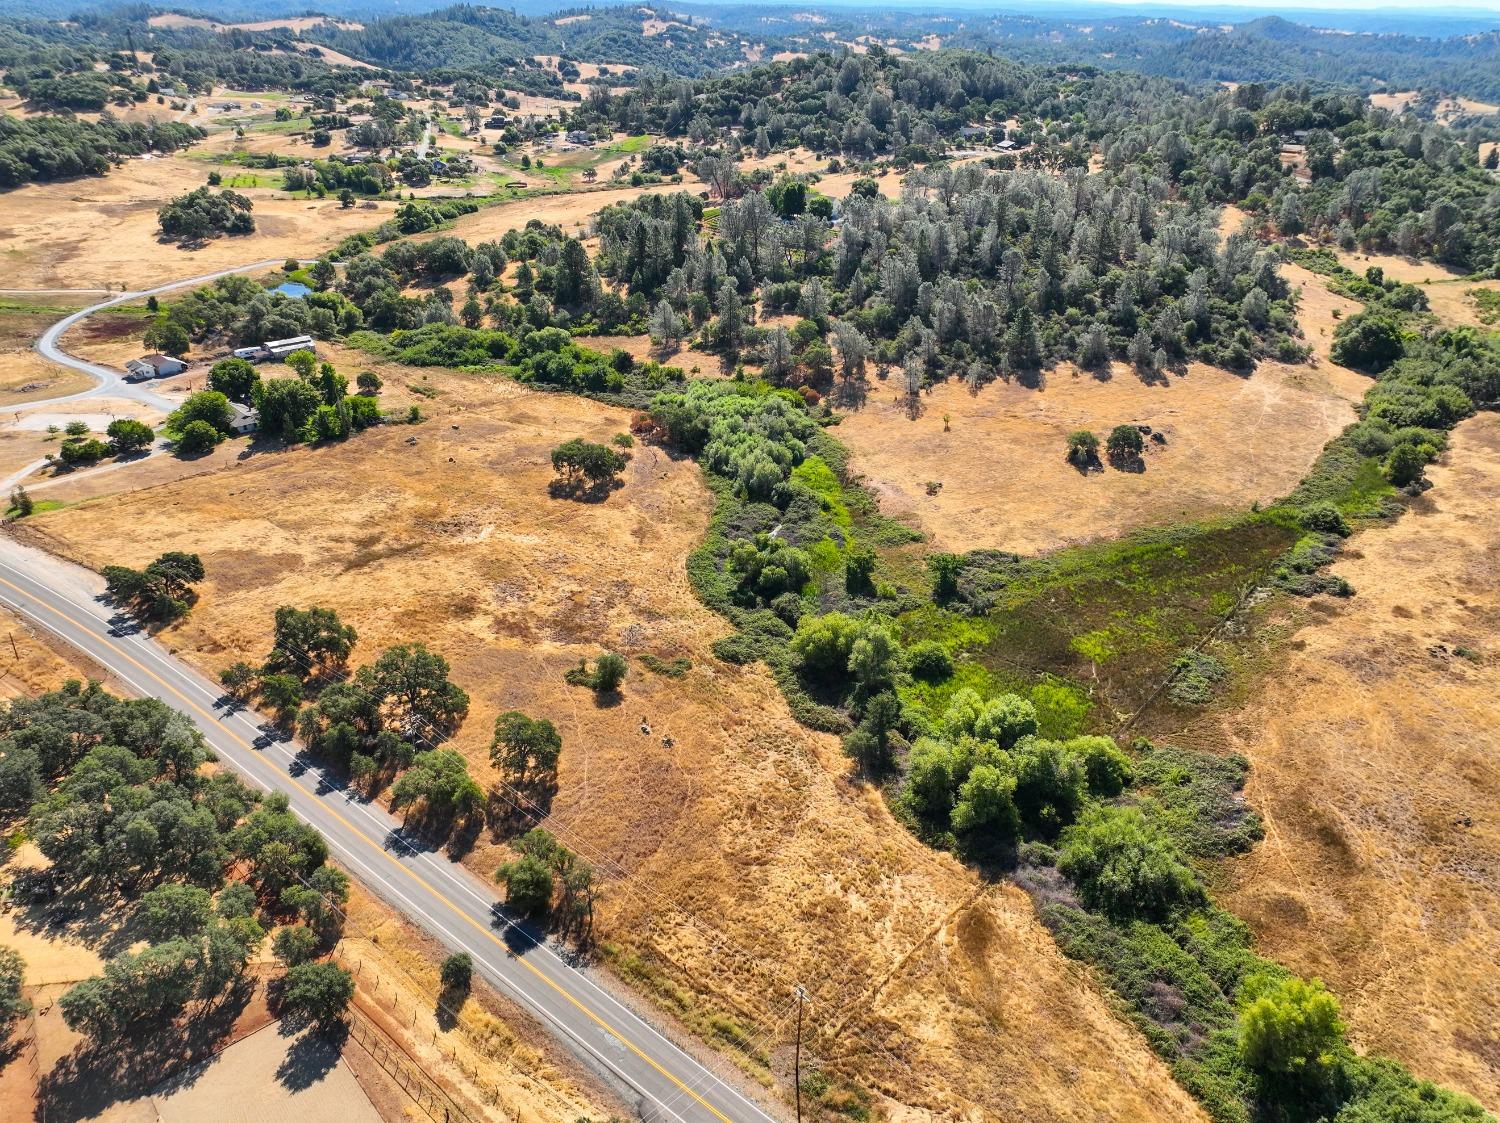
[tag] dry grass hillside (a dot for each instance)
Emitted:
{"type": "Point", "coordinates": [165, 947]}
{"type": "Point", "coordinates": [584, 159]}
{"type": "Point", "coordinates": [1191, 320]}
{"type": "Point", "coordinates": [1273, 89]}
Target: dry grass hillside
{"type": "Point", "coordinates": [999, 452]}
{"type": "Point", "coordinates": [24, 375]}
{"type": "Point", "coordinates": [753, 859]}
{"type": "Point", "coordinates": [102, 232]}
{"type": "Point", "coordinates": [1375, 749]}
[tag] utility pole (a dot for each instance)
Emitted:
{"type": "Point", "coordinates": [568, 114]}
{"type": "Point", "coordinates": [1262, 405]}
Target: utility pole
{"type": "Point", "coordinates": [797, 1052]}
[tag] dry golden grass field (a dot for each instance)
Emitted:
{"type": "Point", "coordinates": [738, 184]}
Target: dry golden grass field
{"type": "Point", "coordinates": [999, 453]}
{"type": "Point", "coordinates": [1375, 748]}
{"type": "Point", "coordinates": [24, 375]}
{"type": "Point", "coordinates": [750, 829]}
{"type": "Point", "coordinates": [102, 232]}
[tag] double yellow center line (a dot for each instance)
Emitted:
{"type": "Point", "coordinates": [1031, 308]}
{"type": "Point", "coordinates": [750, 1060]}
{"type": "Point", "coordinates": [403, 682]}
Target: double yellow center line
{"type": "Point", "coordinates": [488, 933]}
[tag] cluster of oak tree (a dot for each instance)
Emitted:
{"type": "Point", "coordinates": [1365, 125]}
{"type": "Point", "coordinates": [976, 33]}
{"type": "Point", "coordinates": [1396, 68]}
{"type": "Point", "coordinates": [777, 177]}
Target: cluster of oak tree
{"type": "Point", "coordinates": [200, 866]}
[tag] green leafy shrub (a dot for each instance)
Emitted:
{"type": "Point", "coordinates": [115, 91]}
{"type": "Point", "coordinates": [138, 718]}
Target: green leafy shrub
{"type": "Point", "coordinates": [1124, 866]}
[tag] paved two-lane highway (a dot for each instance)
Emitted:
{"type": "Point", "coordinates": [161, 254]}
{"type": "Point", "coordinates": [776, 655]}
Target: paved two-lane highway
{"type": "Point", "coordinates": [665, 1081]}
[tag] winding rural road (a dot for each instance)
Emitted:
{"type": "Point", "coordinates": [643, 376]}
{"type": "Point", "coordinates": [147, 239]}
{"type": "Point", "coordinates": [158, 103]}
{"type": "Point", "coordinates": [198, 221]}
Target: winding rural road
{"type": "Point", "coordinates": [107, 381]}
{"type": "Point", "coordinates": [666, 1082]}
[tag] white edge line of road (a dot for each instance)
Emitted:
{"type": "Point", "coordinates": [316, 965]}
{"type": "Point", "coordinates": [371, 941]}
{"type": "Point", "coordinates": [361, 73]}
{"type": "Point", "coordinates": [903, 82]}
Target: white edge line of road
{"type": "Point", "coordinates": [348, 857]}
{"type": "Point", "coordinates": [365, 812]}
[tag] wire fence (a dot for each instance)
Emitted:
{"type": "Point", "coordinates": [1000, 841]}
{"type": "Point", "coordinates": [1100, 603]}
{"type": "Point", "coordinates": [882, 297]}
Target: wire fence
{"type": "Point", "coordinates": [406, 1071]}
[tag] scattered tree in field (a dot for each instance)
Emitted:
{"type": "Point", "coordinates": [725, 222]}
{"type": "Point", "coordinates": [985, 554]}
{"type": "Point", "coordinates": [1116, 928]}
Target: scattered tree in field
{"type": "Point", "coordinates": [410, 685]}
{"type": "Point", "coordinates": [528, 885]}
{"type": "Point", "coordinates": [368, 382]}
{"type": "Point", "coordinates": [523, 746]}
{"type": "Point", "coordinates": [578, 462]}
{"type": "Point", "coordinates": [21, 502]}
{"type": "Point", "coordinates": [77, 452]}
{"type": "Point", "coordinates": [282, 694]}
{"type": "Point", "coordinates": [609, 672]}
{"type": "Point", "coordinates": [1083, 448]}
{"type": "Point", "coordinates": [161, 591]}
{"type": "Point", "coordinates": [438, 783]}
{"type": "Point", "coordinates": [310, 642]}
{"type": "Point", "coordinates": [320, 992]}
{"type": "Point", "coordinates": [202, 214]}
{"type": "Point", "coordinates": [457, 975]}
{"type": "Point", "coordinates": [238, 680]}
{"type": "Point", "coordinates": [1125, 445]}
{"type": "Point", "coordinates": [543, 867]}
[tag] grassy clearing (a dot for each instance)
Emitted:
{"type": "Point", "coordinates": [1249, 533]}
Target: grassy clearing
{"type": "Point", "coordinates": [295, 127]}
{"type": "Point", "coordinates": [1104, 622]}
{"type": "Point", "coordinates": [38, 506]}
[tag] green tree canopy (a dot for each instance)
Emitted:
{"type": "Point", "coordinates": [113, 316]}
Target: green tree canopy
{"type": "Point", "coordinates": [1124, 866]}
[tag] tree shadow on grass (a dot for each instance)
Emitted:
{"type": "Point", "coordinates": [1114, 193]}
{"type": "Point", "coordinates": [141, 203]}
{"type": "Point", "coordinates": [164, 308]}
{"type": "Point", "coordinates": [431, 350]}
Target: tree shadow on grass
{"type": "Point", "coordinates": [464, 835]}
{"type": "Point", "coordinates": [607, 699]}
{"type": "Point", "coordinates": [75, 914]}
{"type": "Point", "coordinates": [850, 393]}
{"type": "Point", "coordinates": [582, 491]}
{"type": "Point", "coordinates": [517, 808]}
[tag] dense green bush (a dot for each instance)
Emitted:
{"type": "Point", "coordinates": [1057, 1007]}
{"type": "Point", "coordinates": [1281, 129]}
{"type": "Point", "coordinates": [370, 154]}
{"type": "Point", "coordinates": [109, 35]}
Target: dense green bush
{"type": "Point", "coordinates": [1125, 867]}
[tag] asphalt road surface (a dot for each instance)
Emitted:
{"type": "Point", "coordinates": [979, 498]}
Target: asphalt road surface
{"type": "Point", "coordinates": [664, 1081]}
{"type": "Point", "coordinates": [110, 381]}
